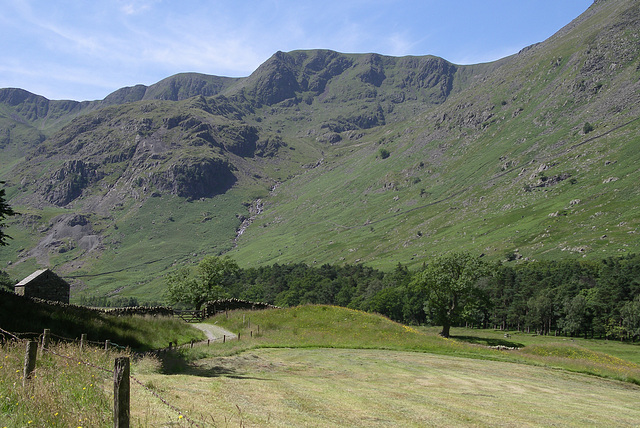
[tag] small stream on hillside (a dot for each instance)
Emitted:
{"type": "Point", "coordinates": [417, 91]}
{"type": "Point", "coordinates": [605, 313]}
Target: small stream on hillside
{"type": "Point", "coordinates": [255, 210]}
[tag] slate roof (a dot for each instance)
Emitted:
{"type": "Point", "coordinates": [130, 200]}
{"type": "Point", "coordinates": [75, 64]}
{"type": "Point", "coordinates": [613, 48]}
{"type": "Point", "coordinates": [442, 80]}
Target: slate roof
{"type": "Point", "coordinates": [31, 277]}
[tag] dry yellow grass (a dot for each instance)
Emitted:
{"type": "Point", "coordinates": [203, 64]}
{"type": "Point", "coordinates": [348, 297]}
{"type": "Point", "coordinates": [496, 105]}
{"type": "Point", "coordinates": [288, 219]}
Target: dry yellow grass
{"type": "Point", "coordinates": [342, 387]}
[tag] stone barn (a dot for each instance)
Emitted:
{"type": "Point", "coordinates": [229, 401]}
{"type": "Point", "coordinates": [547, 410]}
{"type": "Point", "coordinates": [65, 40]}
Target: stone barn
{"type": "Point", "coordinates": [44, 284]}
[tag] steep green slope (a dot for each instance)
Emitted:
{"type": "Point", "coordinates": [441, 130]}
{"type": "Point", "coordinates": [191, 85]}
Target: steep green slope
{"type": "Point", "coordinates": [120, 194]}
{"type": "Point", "coordinates": [507, 167]}
{"type": "Point", "coordinates": [321, 157]}
{"type": "Point", "coordinates": [157, 176]}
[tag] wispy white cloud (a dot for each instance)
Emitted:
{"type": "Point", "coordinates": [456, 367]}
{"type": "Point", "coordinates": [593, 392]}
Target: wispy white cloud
{"type": "Point", "coordinates": [101, 46]}
{"type": "Point", "coordinates": [57, 81]}
{"type": "Point", "coordinates": [134, 7]}
{"type": "Point", "coordinates": [399, 44]}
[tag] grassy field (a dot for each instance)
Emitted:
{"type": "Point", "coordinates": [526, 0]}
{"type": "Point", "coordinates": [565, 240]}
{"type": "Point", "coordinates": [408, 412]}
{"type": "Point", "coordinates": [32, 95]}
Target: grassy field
{"type": "Point", "coordinates": [623, 350]}
{"type": "Point", "coordinates": [329, 366]}
{"type": "Point", "coordinates": [369, 387]}
{"type": "Point", "coordinates": [63, 392]}
{"type": "Point", "coordinates": [335, 327]}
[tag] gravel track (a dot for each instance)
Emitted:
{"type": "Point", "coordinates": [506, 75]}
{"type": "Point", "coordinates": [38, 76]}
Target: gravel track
{"type": "Point", "coordinates": [214, 332]}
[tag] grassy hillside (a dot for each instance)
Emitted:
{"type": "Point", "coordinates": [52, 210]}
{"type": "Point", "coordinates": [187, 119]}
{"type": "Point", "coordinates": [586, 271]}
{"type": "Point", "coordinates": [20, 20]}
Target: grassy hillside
{"type": "Point", "coordinates": [21, 316]}
{"type": "Point", "coordinates": [325, 157]}
{"type": "Point", "coordinates": [335, 327]}
{"type": "Point", "coordinates": [507, 167]}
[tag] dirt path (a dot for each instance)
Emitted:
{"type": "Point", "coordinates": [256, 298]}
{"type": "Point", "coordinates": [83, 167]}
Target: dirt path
{"type": "Point", "coordinates": [214, 332]}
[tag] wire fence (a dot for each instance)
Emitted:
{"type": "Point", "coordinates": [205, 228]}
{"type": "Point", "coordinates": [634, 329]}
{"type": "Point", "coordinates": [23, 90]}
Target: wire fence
{"type": "Point", "coordinates": [28, 337]}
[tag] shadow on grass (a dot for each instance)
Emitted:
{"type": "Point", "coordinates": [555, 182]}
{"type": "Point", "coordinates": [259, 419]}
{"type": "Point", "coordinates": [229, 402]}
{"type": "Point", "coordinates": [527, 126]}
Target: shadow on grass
{"type": "Point", "coordinates": [487, 341]}
{"type": "Point", "coordinates": [172, 362]}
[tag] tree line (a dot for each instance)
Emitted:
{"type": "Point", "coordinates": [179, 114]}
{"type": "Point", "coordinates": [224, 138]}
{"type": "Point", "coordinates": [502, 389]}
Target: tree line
{"type": "Point", "coordinates": [567, 297]}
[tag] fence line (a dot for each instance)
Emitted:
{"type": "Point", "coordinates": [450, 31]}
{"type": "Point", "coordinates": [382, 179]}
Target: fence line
{"type": "Point", "coordinates": [172, 407]}
{"type": "Point", "coordinates": [75, 340]}
{"type": "Point", "coordinates": [16, 336]}
{"type": "Point", "coordinates": [89, 364]}
{"type": "Point", "coordinates": [3, 332]}
{"type": "Point", "coordinates": [86, 363]}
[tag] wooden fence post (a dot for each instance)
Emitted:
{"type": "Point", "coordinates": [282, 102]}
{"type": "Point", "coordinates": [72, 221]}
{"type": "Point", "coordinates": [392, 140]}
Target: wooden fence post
{"type": "Point", "coordinates": [29, 361]}
{"type": "Point", "coordinates": [83, 341]}
{"type": "Point", "coordinates": [121, 393]}
{"type": "Point", "coordinates": [224, 338]}
{"type": "Point", "coordinates": [46, 336]}
{"type": "Point", "coordinates": [106, 344]}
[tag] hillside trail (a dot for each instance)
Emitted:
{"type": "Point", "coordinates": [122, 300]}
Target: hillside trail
{"type": "Point", "coordinates": [214, 332]}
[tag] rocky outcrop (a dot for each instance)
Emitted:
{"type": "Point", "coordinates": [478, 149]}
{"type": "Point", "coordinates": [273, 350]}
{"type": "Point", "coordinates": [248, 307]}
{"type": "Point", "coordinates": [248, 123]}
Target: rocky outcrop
{"type": "Point", "coordinates": [372, 70]}
{"type": "Point", "coordinates": [27, 107]}
{"type": "Point", "coordinates": [274, 81]}
{"type": "Point", "coordinates": [68, 182]}
{"type": "Point", "coordinates": [269, 147]}
{"type": "Point", "coordinates": [195, 178]}
{"type": "Point", "coordinates": [187, 85]}
{"type": "Point", "coordinates": [294, 75]}
{"type": "Point", "coordinates": [240, 140]}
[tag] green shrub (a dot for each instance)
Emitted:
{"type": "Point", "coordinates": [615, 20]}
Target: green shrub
{"type": "Point", "coordinates": [587, 128]}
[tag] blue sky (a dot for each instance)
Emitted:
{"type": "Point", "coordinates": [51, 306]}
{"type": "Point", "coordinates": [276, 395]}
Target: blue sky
{"type": "Point", "coordinates": [86, 49]}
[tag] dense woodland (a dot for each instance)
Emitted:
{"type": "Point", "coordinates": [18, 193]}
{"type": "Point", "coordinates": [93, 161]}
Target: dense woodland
{"type": "Point", "coordinates": [595, 299]}
{"type": "Point", "coordinates": [574, 298]}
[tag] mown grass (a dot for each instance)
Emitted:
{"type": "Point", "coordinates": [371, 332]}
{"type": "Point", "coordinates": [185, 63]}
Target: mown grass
{"type": "Point", "coordinates": [331, 366]}
{"type": "Point", "coordinates": [623, 350]}
{"type": "Point", "coordinates": [603, 358]}
{"type": "Point", "coordinates": [316, 326]}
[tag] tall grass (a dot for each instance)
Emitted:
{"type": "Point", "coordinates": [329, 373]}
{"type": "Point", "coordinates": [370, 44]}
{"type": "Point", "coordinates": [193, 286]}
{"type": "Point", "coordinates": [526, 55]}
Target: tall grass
{"type": "Point", "coordinates": [581, 360]}
{"type": "Point", "coordinates": [71, 387]}
{"type": "Point", "coordinates": [64, 391]}
{"type": "Point", "coordinates": [141, 333]}
{"type": "Point", "coordinates": [323, 326]}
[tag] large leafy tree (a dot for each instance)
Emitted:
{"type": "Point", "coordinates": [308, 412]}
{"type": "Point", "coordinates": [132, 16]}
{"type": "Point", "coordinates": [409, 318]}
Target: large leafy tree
{"type": "Point", "coordinates": [208, 282]}
{"type": "Point", "coordinates": [5, 211]}
{"type": "Point", "coordinates": [630, 313]}
{"type": "Point", "coordinates": [450, 287]}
